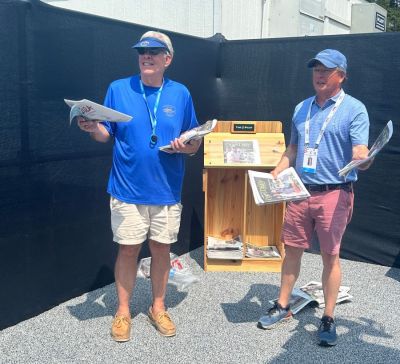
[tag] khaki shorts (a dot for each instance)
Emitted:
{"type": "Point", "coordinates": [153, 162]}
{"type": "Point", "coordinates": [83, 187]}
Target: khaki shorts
{"type": "Point", "coordinates": [133, 224]}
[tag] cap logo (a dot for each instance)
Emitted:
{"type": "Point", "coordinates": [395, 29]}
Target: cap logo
{"type": "Point", "coordinates": [145, 43]}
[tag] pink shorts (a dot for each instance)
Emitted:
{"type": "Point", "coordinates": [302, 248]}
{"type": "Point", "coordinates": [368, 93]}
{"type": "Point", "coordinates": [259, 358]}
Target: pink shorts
{"type": "Point", "coordinates": [327, 213]}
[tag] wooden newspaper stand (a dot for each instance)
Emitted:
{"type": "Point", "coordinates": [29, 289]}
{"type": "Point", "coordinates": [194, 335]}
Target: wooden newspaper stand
{"type": "Point", "coordinates": [229, 203]}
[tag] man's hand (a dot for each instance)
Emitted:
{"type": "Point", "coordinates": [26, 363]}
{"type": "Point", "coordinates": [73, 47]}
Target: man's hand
{"type": "Point", "coordinates": [190, 148]}
{"type": "Point", "coordinates": [90, 126]}
{"type": "Point", "coordinates": [360, 152]}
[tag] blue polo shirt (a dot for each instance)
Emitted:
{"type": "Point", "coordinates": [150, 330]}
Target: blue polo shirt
{"type": "Point", "coordinates": [348, 127]}
{"type": "Point", "coordinates": [140, 173]}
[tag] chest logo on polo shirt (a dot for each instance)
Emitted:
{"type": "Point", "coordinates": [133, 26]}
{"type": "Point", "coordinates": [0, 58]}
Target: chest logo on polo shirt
{"type": "Point", "coordinates": [169, 110]}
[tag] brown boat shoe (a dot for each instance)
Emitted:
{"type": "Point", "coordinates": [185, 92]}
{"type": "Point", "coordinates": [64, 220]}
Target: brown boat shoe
{"type": "Point", "coordinates": [121, 328]}
{"type": "Point", "coordinates": [162, 322]}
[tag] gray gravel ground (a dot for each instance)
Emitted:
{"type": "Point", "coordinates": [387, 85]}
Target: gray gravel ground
{"type": "Point", "coordinates": [216, 322]}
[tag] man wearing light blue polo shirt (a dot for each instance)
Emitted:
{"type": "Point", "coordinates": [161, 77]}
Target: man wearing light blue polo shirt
{"type": "Point", "coordinates": [328, 131]}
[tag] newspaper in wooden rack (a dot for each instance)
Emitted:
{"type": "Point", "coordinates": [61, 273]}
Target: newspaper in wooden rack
{"type": "Point", "coordinates": [224, 249]}
{"type": "Point", "coordinates": [90, 110]}
{"type": "Point", "coordinates": [241, 152]}
{"type": "Point", "coordinates": [312, 293]}
{"type": "Point", "coordinates": [196, 133]}
{"type": "Point", "coordinates": [379, 143]}
{"type": "Point", "coordinates": [287, 186]}
{"type": "Point", "coordinates": [255, 251]}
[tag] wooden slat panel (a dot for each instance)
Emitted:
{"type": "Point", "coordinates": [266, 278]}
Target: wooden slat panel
{"type": "Point", "coordinates": [225, 201]}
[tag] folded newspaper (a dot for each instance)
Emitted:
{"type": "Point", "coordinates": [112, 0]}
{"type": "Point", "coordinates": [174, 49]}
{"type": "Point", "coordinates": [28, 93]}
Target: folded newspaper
{"type": "Point", "coordinates": [255, 251]}
{"type": "Point", "coordinates": [379, 143]}
{"type": "Point", "coordinates": [312, 293]}
{"type": "Point", "coordinates": [196, 133]}
{"type": "Point", "coordinates": [90, 110]}
{"type": "Point", "coordinates": [287, 186]}
{"type": "Point", "coordinates": [225, 249]}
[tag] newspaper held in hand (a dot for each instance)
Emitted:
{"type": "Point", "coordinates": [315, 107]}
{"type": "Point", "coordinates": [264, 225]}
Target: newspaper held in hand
{"type": "Point", "coordinates": [312, 293]}
{"type": "Point", "coordinates": [287, 186]}
{"type": "Point", "coordinates": [379, 143]}
{"type": "Point", "coordinates": [255, 251]}
{"type": "Point", "coordinates": [90, 110]}
{"type": "Point", "coordinates": [225, 249]}
{"type": "Point", "coordinates": [196, 133]}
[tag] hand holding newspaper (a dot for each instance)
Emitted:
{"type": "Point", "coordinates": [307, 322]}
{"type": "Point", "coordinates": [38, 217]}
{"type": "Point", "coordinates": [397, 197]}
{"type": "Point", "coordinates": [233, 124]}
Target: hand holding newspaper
{"type": "Point", "coordinates": [196, 133]}
{"type": "Point", "coordinates": [379, 143]}
{"type": "Point", "coordinates": [287, 186]}
{"type": "Point", "coordinates": [90, 110]}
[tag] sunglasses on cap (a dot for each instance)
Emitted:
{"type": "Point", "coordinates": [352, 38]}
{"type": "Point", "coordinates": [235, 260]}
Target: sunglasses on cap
{"type": "Point", "coordinates": [151, 51]}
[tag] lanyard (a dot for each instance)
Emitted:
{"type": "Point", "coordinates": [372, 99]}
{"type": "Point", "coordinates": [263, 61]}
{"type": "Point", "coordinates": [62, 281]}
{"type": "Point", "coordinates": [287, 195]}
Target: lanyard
{"type": "Point", "coordinates": [153, 116]}
{"type": "Point", "coordinates": [324, 125]}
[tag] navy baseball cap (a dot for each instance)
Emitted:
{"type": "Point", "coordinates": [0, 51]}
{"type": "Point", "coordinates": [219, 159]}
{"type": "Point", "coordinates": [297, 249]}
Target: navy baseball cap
{"type": "Point", "coordinates": [151, 42]}
{"type": "Point", "coordinates": [330, 58]}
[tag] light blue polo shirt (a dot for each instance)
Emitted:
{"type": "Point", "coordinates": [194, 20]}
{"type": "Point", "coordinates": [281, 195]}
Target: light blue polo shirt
{"type": "Point", "coordinates": [348, 127]}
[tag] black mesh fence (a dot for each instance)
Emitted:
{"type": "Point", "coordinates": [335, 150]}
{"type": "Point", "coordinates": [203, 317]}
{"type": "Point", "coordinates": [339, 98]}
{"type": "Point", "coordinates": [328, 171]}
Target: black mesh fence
{"type": "Point", "coordinates": [55, 238]}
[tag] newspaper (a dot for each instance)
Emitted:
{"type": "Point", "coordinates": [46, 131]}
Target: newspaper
{"type": "Point", "coordinates": [312, 293]}
{"type": "Point", "coordinates": [241, 151]}
{"type": "Point", "coordinates": [90, 110]}
{"type": "Point", "coordinates": [379, 143]}
{"type": "Point", "coordinates": [196, 133]}
{"type": "Point", "coordinates": [254, 251]}
{"type": "Point", "coordinates": [225, 249]}
{"type": "Point", "coordinates": [287, 186]}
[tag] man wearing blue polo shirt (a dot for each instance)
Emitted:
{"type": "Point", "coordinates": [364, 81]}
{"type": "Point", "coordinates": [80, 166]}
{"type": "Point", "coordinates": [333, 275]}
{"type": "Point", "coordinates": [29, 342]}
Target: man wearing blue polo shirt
{"type": "Point", "coordinates": [328, 131]}
{"type": "Point", "coordinates": [145, 184]}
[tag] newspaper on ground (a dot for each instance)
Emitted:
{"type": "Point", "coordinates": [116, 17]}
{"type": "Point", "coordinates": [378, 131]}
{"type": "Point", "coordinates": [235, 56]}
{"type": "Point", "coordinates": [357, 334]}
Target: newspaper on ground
{"type": "Point", "coordinates": [196, 133]}
{"type": "Point", "coordinates": [90, 110]}
{"type": "Point", "coordinates": [255, 251]}
{"type": "Point", "coordinates": [287, 186]}
{"type": "Point", "coordinates": [379, 143]}
{"type": "Point", "coordinates": [218, 248]}
{"type": "Point", "coordinates": [180, 274]}
{"type": "Point", "coordinates": [312, 293]}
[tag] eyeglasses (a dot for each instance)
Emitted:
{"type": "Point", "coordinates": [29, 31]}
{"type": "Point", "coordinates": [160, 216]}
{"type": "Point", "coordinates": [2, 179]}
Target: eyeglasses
{"type": "Point", "coordinates": [151, 51]}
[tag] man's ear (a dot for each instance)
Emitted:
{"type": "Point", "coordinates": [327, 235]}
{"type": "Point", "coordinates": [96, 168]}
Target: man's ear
{"type": "Point", "coordinates": [168, 60]}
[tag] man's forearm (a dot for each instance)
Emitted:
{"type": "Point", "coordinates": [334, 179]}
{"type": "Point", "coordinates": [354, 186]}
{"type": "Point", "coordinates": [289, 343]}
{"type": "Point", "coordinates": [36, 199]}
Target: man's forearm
{"type": "Point", "coordinates": [288, 158]}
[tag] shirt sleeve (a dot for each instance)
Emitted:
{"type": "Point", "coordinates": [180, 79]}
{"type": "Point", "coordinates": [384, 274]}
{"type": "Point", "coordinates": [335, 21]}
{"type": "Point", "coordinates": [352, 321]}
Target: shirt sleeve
{"type": "Point", "coordinates": [190, 119]}
{"type": "Point", "coordinates": [359, 128]}
{"type": "Point", "coordinates": [109, 102]}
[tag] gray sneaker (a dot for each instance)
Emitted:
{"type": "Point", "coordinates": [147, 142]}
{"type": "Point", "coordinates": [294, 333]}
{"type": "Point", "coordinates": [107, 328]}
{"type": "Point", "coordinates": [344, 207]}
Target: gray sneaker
{"type": "Point", "coordinates": [274, 317]}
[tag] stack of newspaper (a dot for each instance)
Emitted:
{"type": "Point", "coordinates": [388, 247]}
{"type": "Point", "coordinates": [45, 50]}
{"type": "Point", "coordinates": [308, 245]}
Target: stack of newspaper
{"type": "Point", "coordinates": [90, 110]}
{"type": "Point", "coordinates": [224, 249]}
{"type": "Point", "coordinates": [192, 134]}
{"type": "Point", "coordinates": [255, 251]}
{"type": "Point", "coordinates": [379, 143]}
{"type": "Point", "coordinates": [312, 293]}
{"type": "Point", "coordinates": [287, 186]}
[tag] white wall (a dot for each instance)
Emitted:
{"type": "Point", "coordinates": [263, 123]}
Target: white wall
{"type": "Point", "coordinates": [235, 19]}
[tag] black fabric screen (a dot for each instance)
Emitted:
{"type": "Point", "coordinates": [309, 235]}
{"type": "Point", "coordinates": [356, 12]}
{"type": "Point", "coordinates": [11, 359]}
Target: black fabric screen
{"type": "Point", "coordinates": [55, 237]}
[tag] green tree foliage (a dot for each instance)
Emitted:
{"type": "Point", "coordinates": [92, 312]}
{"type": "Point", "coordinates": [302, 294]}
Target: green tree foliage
{"type": "Point", "coordinates": [393, 13]}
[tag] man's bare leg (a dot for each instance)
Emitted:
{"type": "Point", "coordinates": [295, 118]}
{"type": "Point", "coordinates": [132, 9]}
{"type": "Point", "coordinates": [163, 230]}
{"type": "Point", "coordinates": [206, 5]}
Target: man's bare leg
{"type": "Point", "coordinates": [125, 276]}
{"type": "Point", "coordinates": [159, 272]}
{"type": "Point", "coordinates": [331, 278]}
{"type": "Point", "coordinates": [290, 273]}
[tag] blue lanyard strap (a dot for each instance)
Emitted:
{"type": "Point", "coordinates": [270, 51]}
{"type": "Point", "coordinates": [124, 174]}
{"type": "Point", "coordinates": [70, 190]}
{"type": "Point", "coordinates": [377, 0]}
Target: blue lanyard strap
{"type": "Point", "coordinates": [153, 116]}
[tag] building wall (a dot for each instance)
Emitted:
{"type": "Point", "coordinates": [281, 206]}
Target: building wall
{"type": "Point", "coordinates": [235, 19]}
